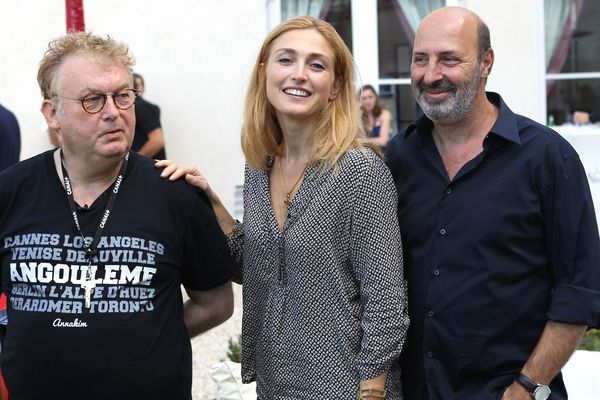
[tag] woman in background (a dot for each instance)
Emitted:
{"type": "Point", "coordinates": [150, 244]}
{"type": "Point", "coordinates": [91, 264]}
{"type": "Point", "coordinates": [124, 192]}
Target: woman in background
{"type": "Point", "coordinates": [377, 120]}
{"type": "Point", "coordinates": [319, 251]}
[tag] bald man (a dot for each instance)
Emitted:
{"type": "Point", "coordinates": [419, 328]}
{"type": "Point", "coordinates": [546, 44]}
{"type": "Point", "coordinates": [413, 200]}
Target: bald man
{"type": "Point", "coordinates": [499, 231]}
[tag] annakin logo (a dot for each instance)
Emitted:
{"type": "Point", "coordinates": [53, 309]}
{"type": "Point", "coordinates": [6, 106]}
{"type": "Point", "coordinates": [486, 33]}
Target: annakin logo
{"type": "Point", "coordinates": [76, 323]}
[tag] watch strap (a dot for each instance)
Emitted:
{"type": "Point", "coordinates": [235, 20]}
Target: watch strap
{"type": "Point", "coordinates": [527, 383]}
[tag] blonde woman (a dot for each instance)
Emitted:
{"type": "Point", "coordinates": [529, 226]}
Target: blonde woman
{"type": "Point", "coordinates": [319, 251]}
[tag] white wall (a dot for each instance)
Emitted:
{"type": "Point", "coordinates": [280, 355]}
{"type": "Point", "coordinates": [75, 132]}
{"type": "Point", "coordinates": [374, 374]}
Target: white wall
{"type": "Point", "coordinates": [195, 56]}
{"type": "Point", "coordinates": [516, 28]}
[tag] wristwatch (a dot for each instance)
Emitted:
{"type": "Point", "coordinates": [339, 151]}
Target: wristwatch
{"type": "Point", "coordinates": [538, 391]}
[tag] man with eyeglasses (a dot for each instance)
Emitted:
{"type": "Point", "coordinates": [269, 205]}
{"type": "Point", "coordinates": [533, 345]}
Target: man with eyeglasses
{"type": "Point", "coordinates": [94, 247]}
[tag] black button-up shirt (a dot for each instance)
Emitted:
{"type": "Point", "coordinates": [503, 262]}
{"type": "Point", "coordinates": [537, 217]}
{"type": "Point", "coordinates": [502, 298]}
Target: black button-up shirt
{"type": "Point", "coordinates": [491, 255]}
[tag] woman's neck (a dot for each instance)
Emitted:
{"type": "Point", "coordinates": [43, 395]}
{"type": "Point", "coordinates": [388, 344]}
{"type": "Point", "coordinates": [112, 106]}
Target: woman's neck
{"type": "Point", "coordinates": [297, 144]}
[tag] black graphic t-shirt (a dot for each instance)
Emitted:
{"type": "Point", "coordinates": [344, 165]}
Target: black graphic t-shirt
{"type": "Point", "coordinates": [131, 343]}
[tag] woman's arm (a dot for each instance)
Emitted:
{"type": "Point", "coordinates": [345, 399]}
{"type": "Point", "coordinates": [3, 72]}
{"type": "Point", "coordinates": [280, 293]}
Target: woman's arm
{"type": "Point", "coordinates": [386, 127]}
{"type": "Point", "coordinates": [230, 227]}
{"type": "Point", "coordinates": [378, 266]}
{"type": "Point", "coordinates": [194, 177]}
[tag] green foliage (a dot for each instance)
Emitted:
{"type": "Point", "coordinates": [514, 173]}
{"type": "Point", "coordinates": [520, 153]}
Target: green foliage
{"type": "Point", "coordinates": [591, 341]}
{"type": "Point", "coordinates": [234, 351]}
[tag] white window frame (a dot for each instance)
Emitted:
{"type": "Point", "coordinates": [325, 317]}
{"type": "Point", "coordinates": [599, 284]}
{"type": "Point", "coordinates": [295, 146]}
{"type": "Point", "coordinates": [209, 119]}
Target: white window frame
{"type": "Point", "coordinates": [558, 76]}
{"type": "Point", "coordinates": [365, 38]}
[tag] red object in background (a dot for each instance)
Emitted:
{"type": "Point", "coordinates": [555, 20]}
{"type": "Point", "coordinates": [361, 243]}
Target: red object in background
{"type": "Point", "coordinates": [2, 386]}
{"type": "Point", "coordinates": [4, 391]}
{"type": "Point", "coordinates": [75, 21]}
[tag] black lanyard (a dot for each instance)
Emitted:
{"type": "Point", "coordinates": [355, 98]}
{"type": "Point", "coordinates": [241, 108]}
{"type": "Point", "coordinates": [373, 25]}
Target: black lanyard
{"type": "Point", "coordinates": [90, 249]}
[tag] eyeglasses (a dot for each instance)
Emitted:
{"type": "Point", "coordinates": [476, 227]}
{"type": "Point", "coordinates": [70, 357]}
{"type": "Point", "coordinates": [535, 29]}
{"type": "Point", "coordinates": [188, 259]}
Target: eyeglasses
{"type": "Point", "coordinates": [93, 103]}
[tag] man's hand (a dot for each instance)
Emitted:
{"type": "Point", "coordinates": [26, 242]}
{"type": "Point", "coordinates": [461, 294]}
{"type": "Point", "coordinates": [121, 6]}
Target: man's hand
{"type": "Point", "coordinates": [556, 344]}
{"type": "Point", "coordinates": [516, 392]}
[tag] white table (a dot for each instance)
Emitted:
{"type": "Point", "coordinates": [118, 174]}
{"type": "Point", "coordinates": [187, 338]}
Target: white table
{"type": "Point", "coordinates": [586, 141]}
{"type": "Point", "coordinates": [581, 375]}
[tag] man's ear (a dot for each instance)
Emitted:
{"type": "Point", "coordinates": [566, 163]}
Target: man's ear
{"type": "Point", "coordinates": [50, 112]}
{"type": "Point", "coordinates": [335, 89]}
{"type": "Point", "coordinates": [487, 63]}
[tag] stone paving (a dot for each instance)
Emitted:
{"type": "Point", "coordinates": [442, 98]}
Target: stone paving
{"type": "Point", "coordinates": [211, 347]}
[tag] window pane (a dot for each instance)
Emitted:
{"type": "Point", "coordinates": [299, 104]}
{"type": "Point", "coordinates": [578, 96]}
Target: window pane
{"type": "Point", "coordinates": [399, 100]}
{"type": "Point", "coordinates": [567, 96]}
{"type": "Point", "coordinates": [395, 49]}
{"type": "Point", "coordinates": [340, 17]}
{"type": "Point", "coordinates": [582, 52]}
{"type": "Point", "coordinates": [293, 8]}
{"type": "Point", "coordinates": [336, 12]}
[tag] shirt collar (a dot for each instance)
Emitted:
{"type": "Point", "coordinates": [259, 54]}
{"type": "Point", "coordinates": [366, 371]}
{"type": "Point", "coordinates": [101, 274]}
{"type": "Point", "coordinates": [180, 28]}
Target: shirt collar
{"type": "Point", "coordinates": [505, 126]}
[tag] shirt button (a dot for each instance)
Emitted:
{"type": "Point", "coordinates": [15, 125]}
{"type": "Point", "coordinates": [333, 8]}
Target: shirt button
{"type": "Point", "coordinates": [442, 231]}
{"type": "Point", "coordinates": [448, 191]}
{"type": "Point", "coordinates": [430, 314]}
{"type": "Point", "coordinates": [436, 272]}
{"type": "Point", "coordinates": [429, 354]}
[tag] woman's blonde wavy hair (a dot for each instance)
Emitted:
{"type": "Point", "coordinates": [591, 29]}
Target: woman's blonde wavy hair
{"type": "Point", "coordinates": [338, 126]}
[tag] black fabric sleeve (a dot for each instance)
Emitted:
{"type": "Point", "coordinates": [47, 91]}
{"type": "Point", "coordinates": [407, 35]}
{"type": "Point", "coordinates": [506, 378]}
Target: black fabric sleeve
{"type": "Point", "coordinates": [573, 242]}
{"type": "Point", "coordinates": [207, 262]}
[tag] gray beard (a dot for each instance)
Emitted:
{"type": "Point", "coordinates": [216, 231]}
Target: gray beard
{"type": "Point", "coordinates": [453, 109]}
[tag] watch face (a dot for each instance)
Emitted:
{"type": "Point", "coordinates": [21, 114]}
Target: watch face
{"type": "Point", "coordinates": [542, 392]}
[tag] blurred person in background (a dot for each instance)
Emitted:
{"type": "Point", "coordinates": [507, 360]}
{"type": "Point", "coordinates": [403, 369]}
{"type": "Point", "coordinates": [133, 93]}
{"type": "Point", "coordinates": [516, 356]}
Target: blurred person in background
{"type": "Point", "coordinates": [377, 120]}
{"type": "Point", "coordinates": [10, 138]}
{"type": "Point", "coordinates": [149, 139]}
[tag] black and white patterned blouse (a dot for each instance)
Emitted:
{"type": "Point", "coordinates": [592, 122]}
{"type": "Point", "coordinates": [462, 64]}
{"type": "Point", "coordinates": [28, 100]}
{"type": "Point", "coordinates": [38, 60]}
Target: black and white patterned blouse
{"type": "Point", "coordinates": [325, 301]}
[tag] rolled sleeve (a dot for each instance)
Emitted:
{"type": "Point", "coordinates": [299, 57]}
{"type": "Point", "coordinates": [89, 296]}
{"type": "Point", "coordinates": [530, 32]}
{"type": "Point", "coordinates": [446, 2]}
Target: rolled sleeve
{"type": "Point", "coordinates": [575, 305]}
{"type": "Point", "coordinates": [574, 245]}
{"type": "Point", "coordinates": [235, 241]}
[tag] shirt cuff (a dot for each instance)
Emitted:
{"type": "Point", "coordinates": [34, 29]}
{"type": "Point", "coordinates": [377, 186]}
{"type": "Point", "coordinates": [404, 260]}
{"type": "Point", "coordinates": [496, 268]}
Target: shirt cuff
{"type": "Point", "coordinates": [235, 241]}
{"type": "Point", "coordinates": [575, 305]}
{"type": "Point", "coordinates": [370, 371]}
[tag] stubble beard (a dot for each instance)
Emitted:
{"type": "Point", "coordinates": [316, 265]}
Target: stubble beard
{"type": "Point", "coordinates": [454, 108]}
